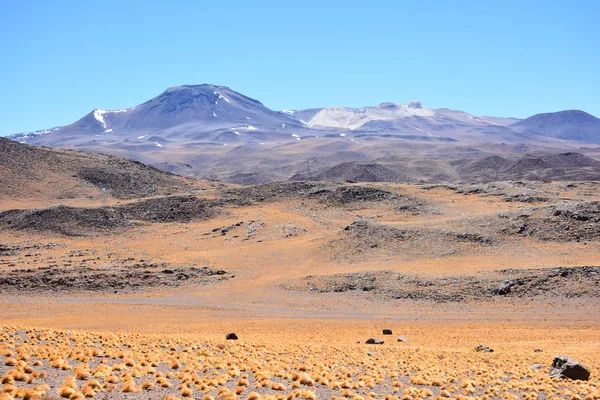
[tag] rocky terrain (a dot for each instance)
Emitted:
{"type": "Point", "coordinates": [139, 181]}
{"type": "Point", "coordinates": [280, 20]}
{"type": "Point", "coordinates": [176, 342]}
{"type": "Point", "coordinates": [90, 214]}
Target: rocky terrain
{"type": "Point", "coordinates": [42, 174]}
{"type": "Point", "coordinates": [116, 278]}
{"type": "Point", "coordinates": [482, 285]}
{"type": "Point", "coordinates": [570, 221]}
{"type": "Point", "coordinates": [567, 282]}
{"type": "Point", "coordinates": [74, 221]}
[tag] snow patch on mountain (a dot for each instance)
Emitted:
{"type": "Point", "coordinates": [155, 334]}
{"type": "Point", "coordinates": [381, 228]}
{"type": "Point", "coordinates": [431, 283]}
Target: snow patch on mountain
{"type": "Point", "coordinates": [247, 127]}
{"type": "Point", "coordinates": [221, 97]}
{"type": "Point", "coordinates": [24, 137]}
{"type": "Point", "coordinates": [353, 118]}
{"type": "Point", "coordinates": [99, 115]}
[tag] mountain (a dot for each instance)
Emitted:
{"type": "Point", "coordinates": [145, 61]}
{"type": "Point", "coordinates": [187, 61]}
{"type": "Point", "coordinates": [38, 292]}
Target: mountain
{"type": "Point", "coordinates": [30, 172]}
{"type": "Point", "coordinates": [412, 119]}
{"type": "Point", "coordinates": [184, 113]}
{"type": "Point", "coordinates": [568, 125]}
{"type": "Point", "coordinates": [216, 133]}
{"type": "Point", "coordinates": [200, 115]}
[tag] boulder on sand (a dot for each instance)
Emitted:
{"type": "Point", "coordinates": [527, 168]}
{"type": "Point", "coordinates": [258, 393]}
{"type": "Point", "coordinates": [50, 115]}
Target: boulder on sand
{"type": "Point", "coordinates": [231, 336]}
{"type": "Point", "coordinates": [484, 349]}
{"type": "Point", "coordinates": [387, 331]}
{"type": "Point", "coordinates": [374, 341]}
{"type": "Point", "coordinates": [566, 367]}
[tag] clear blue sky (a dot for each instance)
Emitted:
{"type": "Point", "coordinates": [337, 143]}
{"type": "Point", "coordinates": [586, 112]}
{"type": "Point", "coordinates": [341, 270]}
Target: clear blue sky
{"type": "Point", "coordinates": [61, 59]}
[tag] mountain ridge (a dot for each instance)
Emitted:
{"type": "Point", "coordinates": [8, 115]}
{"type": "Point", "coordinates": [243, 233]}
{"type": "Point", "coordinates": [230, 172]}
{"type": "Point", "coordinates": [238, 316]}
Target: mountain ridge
{"type": "Point", "coordinates": [179, 109]}
{"type": "Point", "coordinates": [213, 132]}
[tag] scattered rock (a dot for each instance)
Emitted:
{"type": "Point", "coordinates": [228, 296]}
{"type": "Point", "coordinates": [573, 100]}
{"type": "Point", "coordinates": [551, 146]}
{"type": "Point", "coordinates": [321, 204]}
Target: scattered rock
{"type": "Point", "coordinates": [402, 339]}
{"type": "Point", "coordinates": [484, 349]}
{"type": "Point", "coordinates": [568, 368]}
{"type": "Point", "coordinates": [387, 331]}
{"type": "Point", "coordinates": [374, 341]}
{"type": "Point", "coordinates": [538, 351]}
{"type": "Point", "coordinates": [231, 336]}
{"type": "Point", "coordinates": [536, 366]}
{"type": "Point", "coordinates": [506, 286]}
{"type": "Point", "coordinates": [471, 237]}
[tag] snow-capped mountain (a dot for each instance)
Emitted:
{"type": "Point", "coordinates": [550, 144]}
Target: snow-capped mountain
{"type": "Point", "coordinates": [196, 114]}
{"type": "Point", "coordinates": [354, 118]}
{"type": "Point", "coordinates": [357, 118]}
{"type": "Point", "coordinates": [412, 119]}
{"type": "Point", "coordinates": [218, 115]}
{"type": "Point", "coordinates": [183, 113]}
{"type": "Point", "coordinates": [213, 131]}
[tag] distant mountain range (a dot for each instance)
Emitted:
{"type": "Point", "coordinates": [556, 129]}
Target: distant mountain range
{"type": "Point", "coordinates": [217, 114]}
{"type": "Point", "coordinates": [214, 132]}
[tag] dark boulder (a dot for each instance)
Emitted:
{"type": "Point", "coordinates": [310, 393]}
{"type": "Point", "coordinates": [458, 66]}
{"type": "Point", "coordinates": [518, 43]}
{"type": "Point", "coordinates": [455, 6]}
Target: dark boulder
{"type": "Point", "coordinates": [231, 336]}
{"type": "Point", "coordinates": [484, 349]}
{"type": "Point", "coordinates": [566, 367]}
{"type": "Point", "coordinates": [374, 341]}
{"type": "Point", "coordinates": [387, 331]}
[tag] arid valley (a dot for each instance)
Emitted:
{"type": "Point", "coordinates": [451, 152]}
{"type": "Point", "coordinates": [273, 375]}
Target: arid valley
{"type": "Point", "coordinates": [299, 200]}
{"type": "Point", "coordinates": [113, 293]}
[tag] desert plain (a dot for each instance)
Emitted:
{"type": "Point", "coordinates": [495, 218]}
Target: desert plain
{"type": "Point", "coordinates": [131, 297]}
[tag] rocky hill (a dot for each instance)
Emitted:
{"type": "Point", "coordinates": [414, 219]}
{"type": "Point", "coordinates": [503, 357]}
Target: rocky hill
{"type": "Point", "coordinates": [42, 174]}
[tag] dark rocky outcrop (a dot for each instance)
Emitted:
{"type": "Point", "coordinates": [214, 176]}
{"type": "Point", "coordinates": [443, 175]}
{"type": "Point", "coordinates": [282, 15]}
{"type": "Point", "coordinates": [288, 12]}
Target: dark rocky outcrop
{"type": "Point", "coordinates": [568, 368]}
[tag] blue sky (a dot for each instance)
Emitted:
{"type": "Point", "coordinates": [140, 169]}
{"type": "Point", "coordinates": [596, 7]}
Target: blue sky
{"type": "Point", "coordinates": [61, 59]}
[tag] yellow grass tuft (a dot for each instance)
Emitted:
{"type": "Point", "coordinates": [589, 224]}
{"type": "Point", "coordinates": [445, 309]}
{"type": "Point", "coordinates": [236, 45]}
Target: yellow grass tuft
{"type": "Point", "coordinates": [130, 387]}
{"type": "Point", "coordinates": [11, 362]}
{"type": "Point", "coordinates": [67, 392]}
{"type": "Point", "coordinates": [186, 392]}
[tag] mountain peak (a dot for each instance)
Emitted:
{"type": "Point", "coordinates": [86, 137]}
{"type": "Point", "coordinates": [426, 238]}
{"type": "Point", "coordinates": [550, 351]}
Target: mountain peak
{"type": "Point", "coordinates": [415, 104]}
{"type": "Point", "coordinates": [567, 125]}
{"type": "Point", "coordinates": [199, 87]}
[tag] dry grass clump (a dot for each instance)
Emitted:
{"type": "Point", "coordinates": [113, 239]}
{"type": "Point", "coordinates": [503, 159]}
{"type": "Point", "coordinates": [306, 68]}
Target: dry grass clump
{"type": "Point", "coordinates": [172, 367]}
